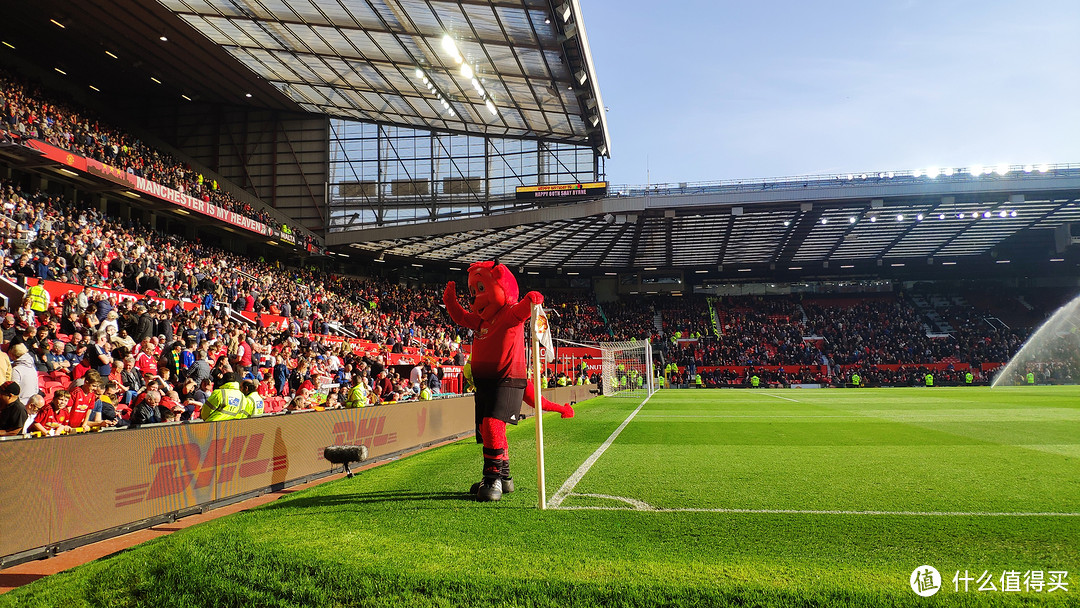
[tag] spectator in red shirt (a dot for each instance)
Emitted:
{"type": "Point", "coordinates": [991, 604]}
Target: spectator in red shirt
{"type": "Point", "coordinates": [46, 421]}
{"type": "Point", "coordinates": [81, 407]}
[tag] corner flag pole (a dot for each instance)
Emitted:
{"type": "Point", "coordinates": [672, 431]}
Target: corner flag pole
{"type": "Point", "coordinates": [536, 317]}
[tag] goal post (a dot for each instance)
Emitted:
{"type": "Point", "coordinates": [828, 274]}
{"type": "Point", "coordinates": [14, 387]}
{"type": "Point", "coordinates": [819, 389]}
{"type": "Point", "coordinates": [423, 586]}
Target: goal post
{"type": "Point", "coordinates": [627, 369]}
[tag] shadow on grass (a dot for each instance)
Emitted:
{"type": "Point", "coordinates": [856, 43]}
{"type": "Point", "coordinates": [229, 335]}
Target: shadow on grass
{"type": "Point", "coordinates": [401, 498]}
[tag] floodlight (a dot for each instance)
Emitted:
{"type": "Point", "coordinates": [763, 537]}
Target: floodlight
{"type": "Point", "coordinates": [899, 217]}
{"type": "Point", "coordinates": [448, 45]}
{"type": "Point", "coordinates": [948, 171]}
{"type": "Point", "coordinates": [824, 220]}
{"type": "Point", "coordinates": [563, 11]}
{"type": "Point", "coordinates": [917, 173]}
{"type": "Point", "coordinates": [1002, 169]}
{"type": "Point", "coordinates": [919, 217]}
{"type": "Point", "coordinates": [491, 107]}
{"type": "Point", "coordinates": [1029, 168]}
{"type": "Point", "coordinates": [787, 223]}
{"type": "Point", "coordinates": [1044, 168]}
{"type": "Point", "coordinates": [986, 215]}
{"type": "Point", "coordinates": [873, 219]}
{"type": "Point", "coordinates": [941, 217]}
{"type": "Point", "coordinates": [466, 70]}
{"type": "Point", "coordinates": [1012, 213]}
{"type": "Point", "coordinates": [1003, 214]}
{"type": "Point", "coordinates": [933, 172]}
{"type": "Point", "coordinates": [976, 170]}
{"type": "Point", "coordinates": [419, 73]}
{"type": "Point", "coordinates": [851, 220]}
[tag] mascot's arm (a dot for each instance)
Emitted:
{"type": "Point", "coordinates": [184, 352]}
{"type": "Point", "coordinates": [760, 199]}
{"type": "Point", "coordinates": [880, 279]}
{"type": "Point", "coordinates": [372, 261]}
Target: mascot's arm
{"type": "Point", "coordinates": [460, 316]}
{"type": "Point", "coordinates": [523, 309]}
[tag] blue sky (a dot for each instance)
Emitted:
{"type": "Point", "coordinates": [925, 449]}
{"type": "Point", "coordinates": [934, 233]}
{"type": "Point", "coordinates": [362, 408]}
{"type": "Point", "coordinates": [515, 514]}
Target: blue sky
{"type": "Point", "coordinates": [700, 91]}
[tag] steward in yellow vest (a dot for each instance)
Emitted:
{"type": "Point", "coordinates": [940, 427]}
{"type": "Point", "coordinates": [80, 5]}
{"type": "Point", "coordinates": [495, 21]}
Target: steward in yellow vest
{"type": "Point", "coordinates": [227, 402]}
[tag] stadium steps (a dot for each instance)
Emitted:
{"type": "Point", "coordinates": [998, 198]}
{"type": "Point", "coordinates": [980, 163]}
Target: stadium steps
{"type": "Point", "coordinates": [802, 314]}
{"type": "Point", "coordinates": [338, 329]}
{"type": "Point", "coordinates": [658, 322]}
{"type": "Point", "coordinates": [239, 318]}
{"type": "Point", "coordinates": [926, 308]}
{"type": "Point", "coordinates": [603, 317]}
{"type": "Point", "coordinates": [713, 319]}
{"type": "Point", "coordinates": [11, 294]}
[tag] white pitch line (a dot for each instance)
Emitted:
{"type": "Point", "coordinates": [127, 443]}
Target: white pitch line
{"type": "Point", "coordinates": [637, 505]}
{"type": "Point", "coordinates": [779, 397]}
{"type": "Point", "coordinates": [663, 416]}
{"type": "Point", "coordinates": [570, 483]}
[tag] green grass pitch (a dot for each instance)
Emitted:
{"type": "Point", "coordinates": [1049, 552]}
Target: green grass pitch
{"type": "Point", "coordinates": [705, 498]}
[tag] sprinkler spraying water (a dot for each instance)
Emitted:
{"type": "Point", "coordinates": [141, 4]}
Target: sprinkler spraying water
{"type": "Point", "coordinates": [1051, 353]}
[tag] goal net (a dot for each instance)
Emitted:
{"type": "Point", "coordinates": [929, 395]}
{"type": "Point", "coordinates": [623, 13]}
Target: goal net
{"type": "Point", "coordinates": [627, 369]}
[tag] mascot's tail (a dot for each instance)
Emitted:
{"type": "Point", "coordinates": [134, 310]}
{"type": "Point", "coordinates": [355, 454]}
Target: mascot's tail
{"type": "Point", "coordinates": [546, 404]}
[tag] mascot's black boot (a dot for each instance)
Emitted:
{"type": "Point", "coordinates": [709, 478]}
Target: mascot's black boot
{"type": "Point", "coordinates": [490, 489]}
{"type": "Point", "coordinates": [504, 477]}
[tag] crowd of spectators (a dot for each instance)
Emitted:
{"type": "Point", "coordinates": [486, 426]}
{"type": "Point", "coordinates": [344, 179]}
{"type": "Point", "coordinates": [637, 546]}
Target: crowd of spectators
{"type": "Point", "coordinates": [860, 333]}
{"type": "Point", "coordinates": [28, 111]}
{"type": "Point", "coordinates": [577, 318]}
{"type": "Point", "coordinates": [158, 363]}
{"type": "Point", "coordinates": [631, 319]}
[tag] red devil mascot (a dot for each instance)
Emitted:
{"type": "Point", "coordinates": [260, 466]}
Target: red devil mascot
{"type": "Point", "coordinates": [497, 319]}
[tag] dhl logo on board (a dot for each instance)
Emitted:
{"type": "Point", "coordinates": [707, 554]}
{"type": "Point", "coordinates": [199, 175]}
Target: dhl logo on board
{"type": "Point", "coordinates": [185, 466]}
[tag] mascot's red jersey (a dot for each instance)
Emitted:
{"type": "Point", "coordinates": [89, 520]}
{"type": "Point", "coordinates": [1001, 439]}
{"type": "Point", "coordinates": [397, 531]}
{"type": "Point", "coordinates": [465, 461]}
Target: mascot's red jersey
{"type": "Point", "coordinates": [496, 318]}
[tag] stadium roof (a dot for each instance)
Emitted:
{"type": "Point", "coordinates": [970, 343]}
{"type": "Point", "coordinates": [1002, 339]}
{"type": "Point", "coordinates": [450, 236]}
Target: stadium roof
{"type": "Point", "coordinates": [802, 225]}
{"type": "Point", "coordinates": [345, 58]}
{"type": "Point", "coordinates": [516, 68]}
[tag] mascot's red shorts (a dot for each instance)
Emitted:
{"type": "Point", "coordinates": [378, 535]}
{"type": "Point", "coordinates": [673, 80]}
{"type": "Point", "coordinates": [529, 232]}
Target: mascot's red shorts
{"type": "Point", "coordinates": [498, 398]}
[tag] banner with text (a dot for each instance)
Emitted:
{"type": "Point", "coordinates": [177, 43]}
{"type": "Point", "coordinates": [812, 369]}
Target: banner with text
{"type": "Point", "coordinates": [161, 192]}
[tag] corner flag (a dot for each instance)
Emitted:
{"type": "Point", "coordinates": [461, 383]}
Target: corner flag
{"type": "Point", "coordinates": [543, 330]}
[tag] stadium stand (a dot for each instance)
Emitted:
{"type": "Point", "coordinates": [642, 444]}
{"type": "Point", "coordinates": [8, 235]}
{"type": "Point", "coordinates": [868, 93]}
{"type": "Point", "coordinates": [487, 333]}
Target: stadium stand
{"type": "Point", "coordinates": [28, 111]}
{"type": "Point", "coordinates": [155, 302]}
